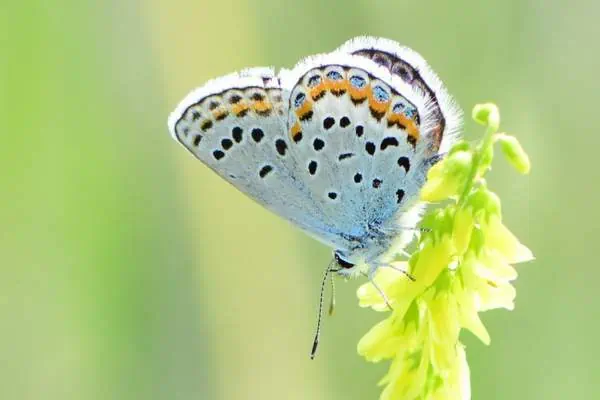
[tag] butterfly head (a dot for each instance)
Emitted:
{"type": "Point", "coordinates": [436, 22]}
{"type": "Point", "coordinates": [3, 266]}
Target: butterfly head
{"type": "Point", "coordinates": [345, 264]}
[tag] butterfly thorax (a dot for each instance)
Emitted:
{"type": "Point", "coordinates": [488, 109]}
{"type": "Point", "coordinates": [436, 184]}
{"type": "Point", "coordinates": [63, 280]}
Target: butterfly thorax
{"type": "Point", "coordinates": [379, 246]}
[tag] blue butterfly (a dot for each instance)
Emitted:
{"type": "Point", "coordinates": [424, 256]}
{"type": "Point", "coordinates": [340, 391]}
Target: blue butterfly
{"type": "Point", "coordinates": [340, 145]}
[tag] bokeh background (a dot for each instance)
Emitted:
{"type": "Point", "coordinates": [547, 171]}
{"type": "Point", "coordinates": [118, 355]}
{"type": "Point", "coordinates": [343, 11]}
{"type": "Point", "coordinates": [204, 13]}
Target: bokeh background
{"type": "Point", "coordinates": [131, 271]}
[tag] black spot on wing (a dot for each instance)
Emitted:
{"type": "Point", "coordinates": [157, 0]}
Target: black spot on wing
{"type": "Point", "coordinates": [399, 195]}
{"type": "Point", "coordinates": [328, 122]}
{"type": "Point", "coordinates": [389, 141]}
{"type": "Point", "coordinates": [236, 132]}
{"type": "Point", "coordinates": [360, 130]}
{"type": "Point", "coordinates": [257, 134]}
{"type": "Point", "coordinates": [236, 98]}
{"type": "Point", "coordinates": [318, 144]}
{"type": "Point", "coordinates": [264, 171]}
{"type": "Point", "coordinates": [281, 146]}
{"type": "Point", "coordinates": [226, 143]}
{"type": "Point", "coordinates": [370, 148]}
{"type": "Point", "coordinates": [404, 162]}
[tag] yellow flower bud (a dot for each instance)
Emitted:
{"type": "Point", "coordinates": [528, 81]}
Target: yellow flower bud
{"type": "Point", "coordinates": [484, 202]}
{"type": "Point", "coordinates": [444, 329]}
{"type": "Point", "coordinates": [432, 260]}
{"type": "Point", "coordinates": [493, 295]}
{"type": "Point", "coordinates": [448, 177]}
{"type": "Point", "coordinates": [381, 342]}
{"type": "Point", "coordinates": [463, 227]}
{"type": "Point", "coordinates": [467, 298]}
{"type": "Point", "coordinates": [514, 153]}
{"type": "Point", "coordinates": [487, 114]}
{"type": "Point", "coordinates": [399, 290]}
{"type": "Point", "coordinates": [458, 164]}
{"type": "Point", "coordinates": [498, 237]}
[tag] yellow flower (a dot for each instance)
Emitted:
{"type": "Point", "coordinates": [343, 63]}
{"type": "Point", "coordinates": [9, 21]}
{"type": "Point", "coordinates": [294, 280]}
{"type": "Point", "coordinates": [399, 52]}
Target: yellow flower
{"type": "Point", "coordinates": [463, 228]}
{"type": "Point", "coordinates": [499, 238]}
{"type": "Point", "coordinates": [447, 177]}
{"type": "Point", "coordinates": [444, 329]}
{"type": "Point", "coordinates": [463, 266]}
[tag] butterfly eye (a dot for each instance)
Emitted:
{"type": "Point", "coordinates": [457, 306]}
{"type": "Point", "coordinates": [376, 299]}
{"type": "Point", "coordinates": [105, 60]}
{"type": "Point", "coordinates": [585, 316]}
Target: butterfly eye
{"type": "Point", "coordinates": [334, 76]}
{"type": "Point", "coordinates": [299, 100]}
{"type": "Point", "coordinates": [381, 95]}
{"type": "Point", "coordinates": [358, 82]}
{"type": "Point", "coordinates": [314, 81]}
{"type": "Point", "coordinates": [342, 263]}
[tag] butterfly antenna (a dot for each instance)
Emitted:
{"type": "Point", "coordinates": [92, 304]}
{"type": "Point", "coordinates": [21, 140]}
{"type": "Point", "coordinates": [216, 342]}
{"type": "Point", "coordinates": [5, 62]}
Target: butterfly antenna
{"type": "Point", "coordinates": [332, 301]}
{"type": "Point", "coordinates": [320, 314]}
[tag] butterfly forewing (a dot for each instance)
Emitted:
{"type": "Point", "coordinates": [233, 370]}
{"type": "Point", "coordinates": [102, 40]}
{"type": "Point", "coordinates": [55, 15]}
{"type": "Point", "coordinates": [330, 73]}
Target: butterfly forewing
{"type": "Point", "coordinates": [237, 125]}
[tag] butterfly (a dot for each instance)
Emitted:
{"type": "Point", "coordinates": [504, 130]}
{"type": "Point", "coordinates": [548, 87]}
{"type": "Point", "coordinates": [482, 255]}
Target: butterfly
{"type": "Point", "coordinates": [339, 145]}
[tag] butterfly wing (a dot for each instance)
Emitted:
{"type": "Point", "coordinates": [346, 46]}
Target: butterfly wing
{"type": "Point", "coordinates": [237, 126]}
{"type": "Point", "coordinates": [407, 64]}
{"type": "Point", "coordinates": [365, 138]}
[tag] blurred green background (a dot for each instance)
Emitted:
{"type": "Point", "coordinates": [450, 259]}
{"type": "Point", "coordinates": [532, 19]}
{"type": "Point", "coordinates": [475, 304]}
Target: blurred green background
{"type": "Point", "coordinates": [131, 271]}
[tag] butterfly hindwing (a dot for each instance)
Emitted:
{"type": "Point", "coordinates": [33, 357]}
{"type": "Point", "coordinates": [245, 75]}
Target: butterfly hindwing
{"type": "Point", "coordinates": [355, 129]}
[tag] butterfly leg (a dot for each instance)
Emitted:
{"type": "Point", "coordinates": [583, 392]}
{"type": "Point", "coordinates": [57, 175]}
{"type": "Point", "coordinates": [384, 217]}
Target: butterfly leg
{"type": "Point", "coordinates": [404, 253]}
{"type": "Point", "coordinates": [408, 275]}
{"type": "Point", "coordinates": [381, 292]}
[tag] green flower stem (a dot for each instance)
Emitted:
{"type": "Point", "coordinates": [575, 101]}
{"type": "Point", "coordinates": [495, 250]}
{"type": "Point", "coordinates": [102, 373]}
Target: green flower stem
{"type": "Point", "coordinates": [488, 115]}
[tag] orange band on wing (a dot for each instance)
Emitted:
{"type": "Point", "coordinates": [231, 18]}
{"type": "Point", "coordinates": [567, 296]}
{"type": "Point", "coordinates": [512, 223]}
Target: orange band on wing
{"type": "Point", "coordinates": [378, 109]}
{"type": "Point", "coordinates": [319, 91]}
{"type": "Point", "coordinates": [404, 122]}
{"type": "Point", "coordinates": [296, 130]}
{"type": "Point", "coordinates": [240, 109]}
{"type": "Point", "coordinates": [338, 87]}
{"type": "Point", "coordinates": [304, 109]}
{"type": "Point", "coordinates": [262, 107]}
{"type": "Point", "coordinates": [358, 95]}
{"type": "Point", "coordinates": [220, 113]}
